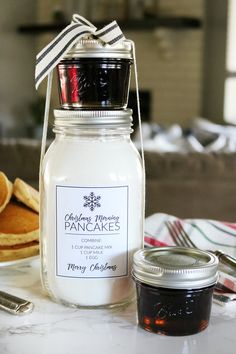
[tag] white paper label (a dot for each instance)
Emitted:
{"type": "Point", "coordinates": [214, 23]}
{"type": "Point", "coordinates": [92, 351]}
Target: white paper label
{"type": "Point", "coordinates": [91, 231]}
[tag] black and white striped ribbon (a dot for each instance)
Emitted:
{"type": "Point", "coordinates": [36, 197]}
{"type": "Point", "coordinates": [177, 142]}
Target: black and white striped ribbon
{"type": "Point", "coordinates": [79, 27]}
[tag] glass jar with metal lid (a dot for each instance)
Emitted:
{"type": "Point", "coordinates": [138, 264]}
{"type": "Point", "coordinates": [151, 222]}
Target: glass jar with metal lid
{"type": "Point", "coordinates": [91, 209]}
{"type": "Point", "coordinates": [94, 75]}
{"type": "Point", "coordinates": [174, 289]}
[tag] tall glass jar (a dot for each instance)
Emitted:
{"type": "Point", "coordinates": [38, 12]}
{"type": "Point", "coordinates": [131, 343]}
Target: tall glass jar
{"type": "Point", "coordinates": [91, 209]}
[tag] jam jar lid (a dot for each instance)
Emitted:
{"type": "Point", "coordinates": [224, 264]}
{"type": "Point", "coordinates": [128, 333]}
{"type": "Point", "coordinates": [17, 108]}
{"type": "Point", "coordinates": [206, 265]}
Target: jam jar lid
{"type": "Point", "coordinates": [95, 48]}
{"type": "Point", "coordinates": [175, 267]}
{"type": "Point", "coordinates": [93, 118]}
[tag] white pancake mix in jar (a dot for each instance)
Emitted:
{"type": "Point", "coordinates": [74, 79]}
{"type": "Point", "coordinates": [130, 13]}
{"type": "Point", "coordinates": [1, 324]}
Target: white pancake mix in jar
{"type": "Point", "coordinates": [92, 203]}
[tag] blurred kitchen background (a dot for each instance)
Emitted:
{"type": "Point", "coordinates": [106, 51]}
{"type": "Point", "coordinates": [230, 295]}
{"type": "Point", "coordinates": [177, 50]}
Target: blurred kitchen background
{"type": "Point", "coordinates": [185, 49]}
{"type": "Point", "coordinates": [186, 53]}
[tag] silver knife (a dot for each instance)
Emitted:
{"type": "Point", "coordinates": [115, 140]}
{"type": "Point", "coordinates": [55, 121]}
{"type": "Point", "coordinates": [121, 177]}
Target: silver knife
{"type": "Point", "coordinates": [14, 304]}
{"type": "Point", "coordinates": [226, 260]}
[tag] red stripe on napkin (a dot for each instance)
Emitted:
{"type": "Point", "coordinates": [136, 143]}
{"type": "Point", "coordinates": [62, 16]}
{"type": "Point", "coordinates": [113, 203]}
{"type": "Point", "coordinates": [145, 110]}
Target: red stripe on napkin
{"type": "Point", "coordinates": [233, 226]}
{"type": "Point", "coordinates": [154, 242]}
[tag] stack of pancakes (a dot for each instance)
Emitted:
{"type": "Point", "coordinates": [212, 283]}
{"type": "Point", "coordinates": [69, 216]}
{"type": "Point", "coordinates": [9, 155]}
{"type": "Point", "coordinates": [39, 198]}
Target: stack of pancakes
{"type": "Point", "coordinates": [19, 219]}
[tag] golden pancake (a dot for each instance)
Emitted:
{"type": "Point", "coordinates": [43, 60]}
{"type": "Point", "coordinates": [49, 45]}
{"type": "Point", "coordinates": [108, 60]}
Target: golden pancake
{"type": "Point", "coordinates": [5, 191]}
{"type": "Point", "coordinates": [19, 253]}
{"type": "Point", "coordinates": [26, 194]}
{"type": "Point", "coordinates": [19, 232]}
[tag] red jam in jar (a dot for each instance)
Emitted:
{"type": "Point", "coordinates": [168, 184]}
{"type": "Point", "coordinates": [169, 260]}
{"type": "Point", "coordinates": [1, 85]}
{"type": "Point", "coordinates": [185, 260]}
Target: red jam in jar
{"type": "Point", "coordinates": [174, 289]}
{"type": "Point", "coordinates": [95, 76]}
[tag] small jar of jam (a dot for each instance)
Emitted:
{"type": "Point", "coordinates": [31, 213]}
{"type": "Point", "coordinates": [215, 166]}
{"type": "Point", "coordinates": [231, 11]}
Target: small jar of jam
{"type": "Point", "coordinates": [93, 75]}
{"type": "Point", "coordinates": [174, 289]}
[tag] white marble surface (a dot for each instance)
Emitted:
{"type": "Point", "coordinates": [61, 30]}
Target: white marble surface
{"type": "Point", "coordinates": [53, 328]}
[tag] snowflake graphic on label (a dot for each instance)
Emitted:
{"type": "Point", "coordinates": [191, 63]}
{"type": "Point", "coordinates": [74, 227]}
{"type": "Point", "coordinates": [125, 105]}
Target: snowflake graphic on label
{"type": "Point", "coordinates": [92, 201]}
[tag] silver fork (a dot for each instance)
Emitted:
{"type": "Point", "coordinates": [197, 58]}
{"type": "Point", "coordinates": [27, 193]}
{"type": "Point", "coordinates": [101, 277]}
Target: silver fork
{"type": "Point", "coordinates": [181, 238]}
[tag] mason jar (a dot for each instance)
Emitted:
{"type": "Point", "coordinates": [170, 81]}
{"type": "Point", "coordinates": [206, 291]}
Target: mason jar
{"type": "Point", "coordinates": [174, 289]}
{"type": "Point", "coordinates": [91, 209]}
{"type": "Point", "coordinates": [93, 75]}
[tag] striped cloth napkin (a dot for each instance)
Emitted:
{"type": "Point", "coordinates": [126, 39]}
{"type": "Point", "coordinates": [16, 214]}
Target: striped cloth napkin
{"type": "Point", "coordinates": [166, 230]}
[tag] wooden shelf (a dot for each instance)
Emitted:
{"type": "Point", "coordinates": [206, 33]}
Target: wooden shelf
{"type": "Point", "coordinates": [137, 25]}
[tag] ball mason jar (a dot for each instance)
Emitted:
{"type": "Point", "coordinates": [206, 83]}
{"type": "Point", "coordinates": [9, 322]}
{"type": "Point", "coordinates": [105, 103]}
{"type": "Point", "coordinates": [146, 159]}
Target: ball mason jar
{"type": "Point", "coordinates": [92, 188]}
{"type": "Point", "coordinates": [174, 289]}
{"type": "Point", "coordinates": [93, 75]}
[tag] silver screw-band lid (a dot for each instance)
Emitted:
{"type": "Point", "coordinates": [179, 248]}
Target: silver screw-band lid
{"type": "Point", "coordinates": [95, 48]}
{"type": "Point", "coordinates": [93, 118]}
{"type": "Point", "coordinates": [175, 267]}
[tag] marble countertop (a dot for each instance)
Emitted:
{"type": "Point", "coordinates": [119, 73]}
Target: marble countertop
{"type": "Point", "coordinates": [53, 328]}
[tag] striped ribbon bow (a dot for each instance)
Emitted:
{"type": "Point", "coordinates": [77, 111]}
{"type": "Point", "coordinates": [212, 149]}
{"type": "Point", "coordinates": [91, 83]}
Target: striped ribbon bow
{"type": "Point", "coordinates": [79, 27]}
